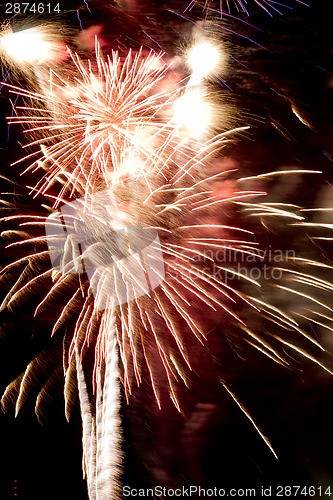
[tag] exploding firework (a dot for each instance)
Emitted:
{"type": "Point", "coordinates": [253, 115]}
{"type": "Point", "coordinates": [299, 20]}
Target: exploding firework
{"type": "Point", "coordinates": [153, 167]}
{"type": "Point", "coordinates": [134, 240]}
{"type": "Point", "coordinates": [240, 6]}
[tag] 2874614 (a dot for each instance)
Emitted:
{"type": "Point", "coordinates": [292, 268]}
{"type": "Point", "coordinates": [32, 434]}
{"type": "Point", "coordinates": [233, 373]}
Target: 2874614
{"type": "Point", "coordinates": [34, 8]}
{"type": "Point", "coordinates": [303, 491]}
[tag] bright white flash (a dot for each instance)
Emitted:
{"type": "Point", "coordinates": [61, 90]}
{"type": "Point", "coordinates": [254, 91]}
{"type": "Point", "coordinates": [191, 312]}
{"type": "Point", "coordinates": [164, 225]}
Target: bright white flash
{"type": "Point", "coordinates": [203, 59]}
{"type": "Point", "coordinates": [26, 46]}
{"type": "Point", "coordinates": [192, 111]}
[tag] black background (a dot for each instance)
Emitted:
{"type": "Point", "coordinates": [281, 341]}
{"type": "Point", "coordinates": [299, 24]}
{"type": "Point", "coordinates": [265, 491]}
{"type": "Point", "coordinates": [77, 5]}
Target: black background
{"type": "Point", "coordinates": [294, 409]}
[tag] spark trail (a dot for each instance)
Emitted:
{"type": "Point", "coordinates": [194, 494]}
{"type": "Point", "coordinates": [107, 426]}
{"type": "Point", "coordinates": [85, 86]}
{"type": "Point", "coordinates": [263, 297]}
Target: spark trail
{"type": "Point", "coordinates": [241, 6]}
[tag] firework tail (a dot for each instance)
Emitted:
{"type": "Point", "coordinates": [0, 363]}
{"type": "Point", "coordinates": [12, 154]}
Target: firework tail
{"type": "Point", "coordinates": [101, 426]}
{"type": "Point", "coordinates": [88, 430]}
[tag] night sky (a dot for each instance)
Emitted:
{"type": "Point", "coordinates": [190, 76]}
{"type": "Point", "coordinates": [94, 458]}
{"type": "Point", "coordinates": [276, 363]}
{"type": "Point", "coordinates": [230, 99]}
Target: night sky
{"type": "Point", "coordinates": [213, 444]}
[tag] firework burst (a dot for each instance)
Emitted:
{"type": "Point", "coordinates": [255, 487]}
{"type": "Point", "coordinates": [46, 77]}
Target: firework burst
{"type": "Point", "coordinates": [241, 6]}
{"type": "Point", "coordinates": [134, 240]}
{"type": "Point", "coordinates": [121, 132]}
{"type": "Point", "coordinates": [112, 142]}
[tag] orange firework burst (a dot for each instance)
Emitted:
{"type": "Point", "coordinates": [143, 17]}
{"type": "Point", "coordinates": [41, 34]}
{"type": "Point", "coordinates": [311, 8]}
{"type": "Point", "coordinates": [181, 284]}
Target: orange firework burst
{"type": "Point", "coordinates": [118, 131]}
{"type": "Point", "coordinates": [134, 233]}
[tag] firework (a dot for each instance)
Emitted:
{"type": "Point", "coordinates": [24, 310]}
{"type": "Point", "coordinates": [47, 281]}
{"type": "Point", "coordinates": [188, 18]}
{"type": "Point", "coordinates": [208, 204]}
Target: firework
{"type": "Point", "coordinates": [138, 146]}
{"type": "Point", "coordinates": [32, 46]}
{"type": "Point", "coordinates": [241, 6]}
{"type": "Point", "coordinates": [119, 131]}
{"type": "Point", "coordinates": [133, 237]}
